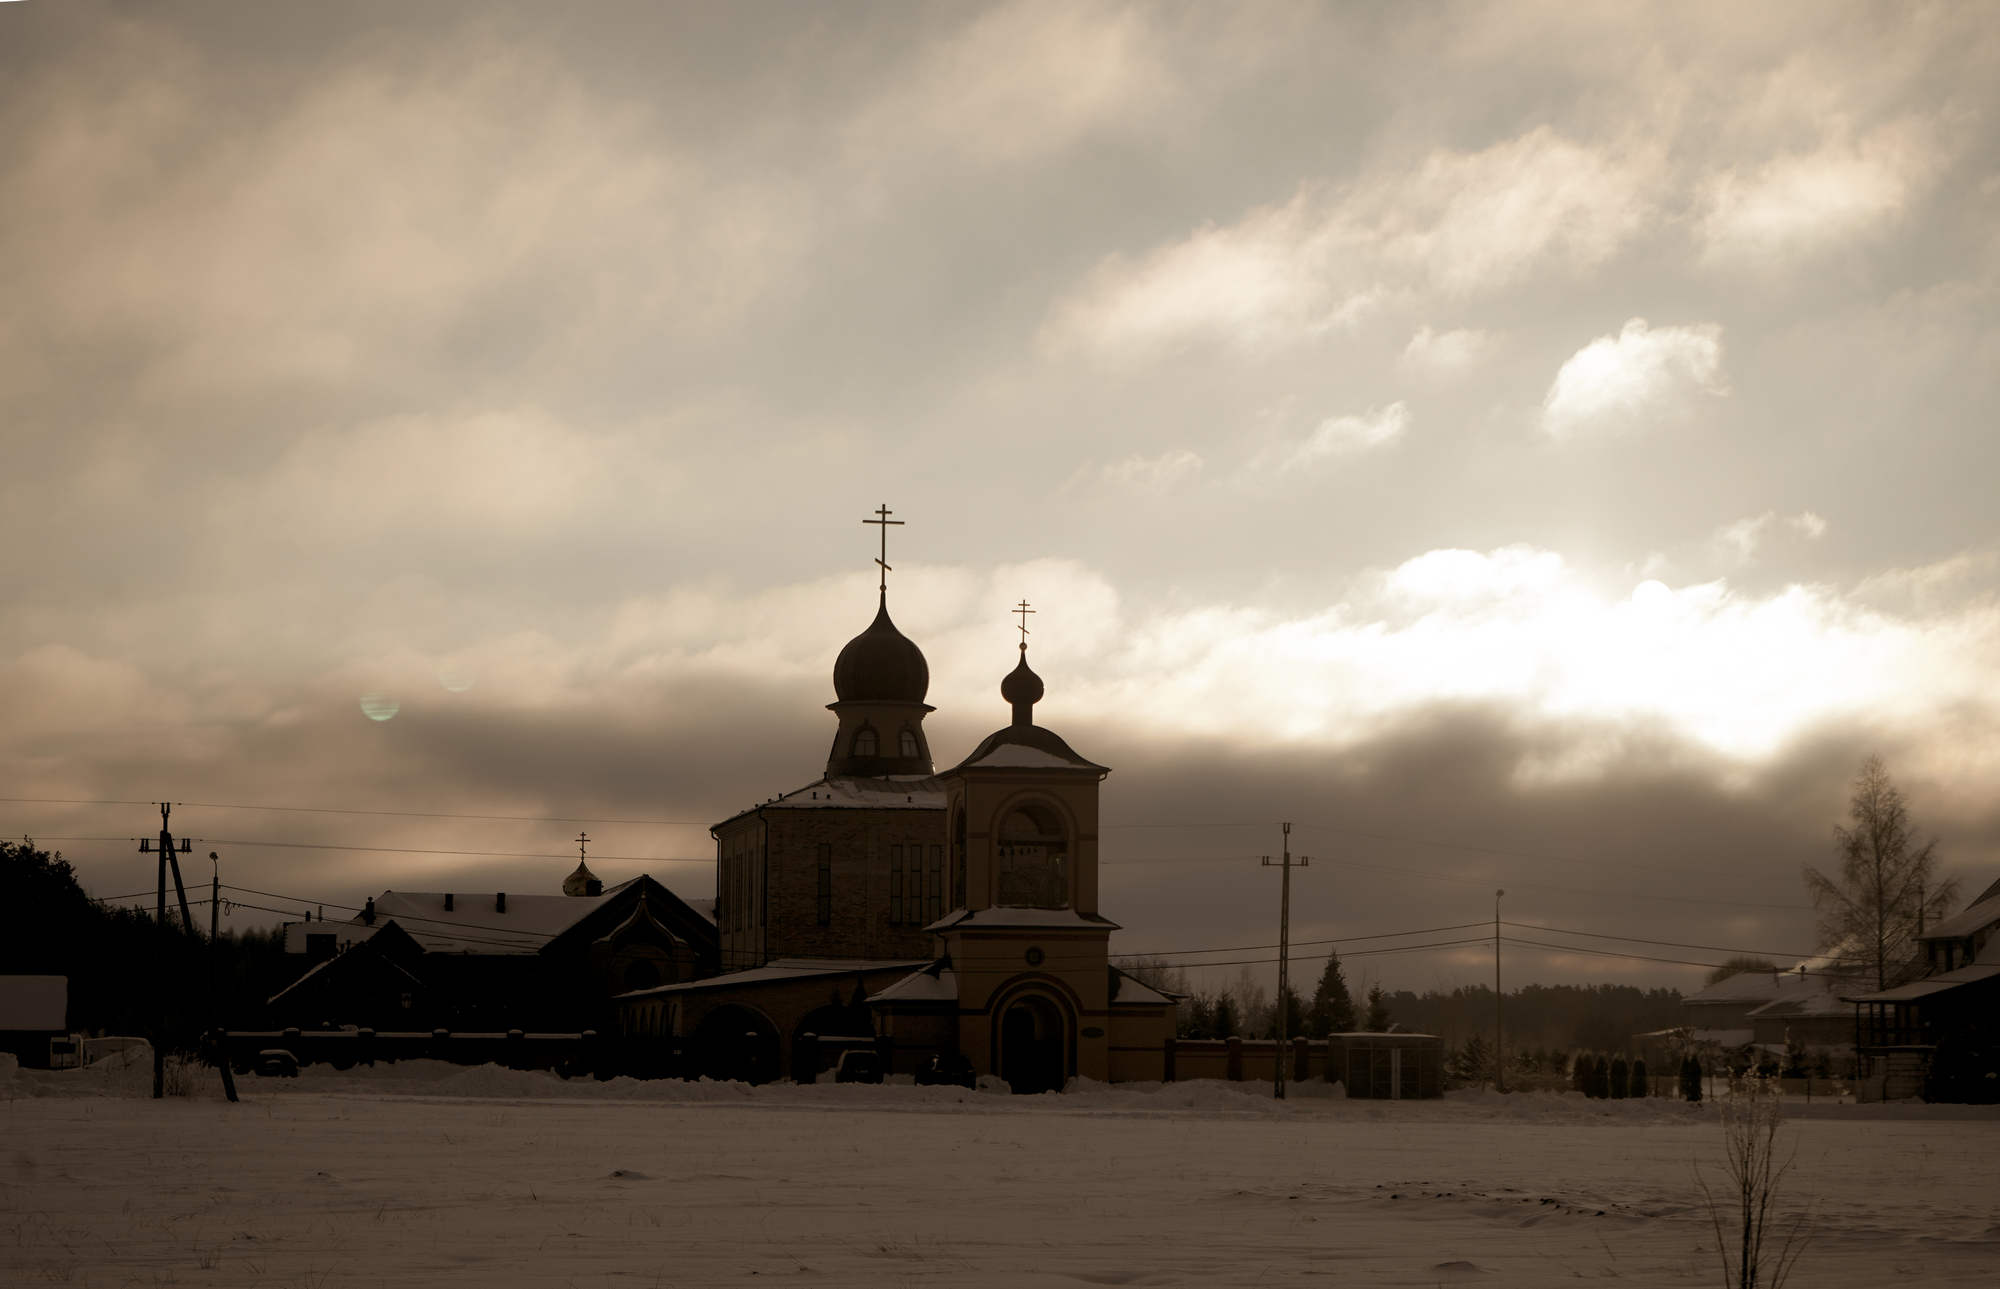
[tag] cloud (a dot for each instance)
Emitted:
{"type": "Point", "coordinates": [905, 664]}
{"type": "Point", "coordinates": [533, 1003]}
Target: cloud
{"type": "Point", "coordinates": [1154, 473]}
{"type": "Point", "coordinates": [1336, 437]}
{"type": "Point", "coordinates": [1020, 81]}
{"type": "Point", "coordinates": [1796, 204]}
{"type": "Point", "coordinates": [1457, 224]}
{"type": "Point", "coordinates": [1633, 378]}
{"type": "Point", "coordinates": [1739, 542]}
{"type": "Point", "coordinates": [1444, 355]}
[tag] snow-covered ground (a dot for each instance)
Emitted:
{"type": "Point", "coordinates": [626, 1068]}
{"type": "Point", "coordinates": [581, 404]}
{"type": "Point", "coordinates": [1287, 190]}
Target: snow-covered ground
{"type": "Point", "coordinates": [421, 1174]}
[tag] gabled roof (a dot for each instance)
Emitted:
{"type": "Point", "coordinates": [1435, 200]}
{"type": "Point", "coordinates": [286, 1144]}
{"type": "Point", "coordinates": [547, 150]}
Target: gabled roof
{"type": "Point", "coordinates": [474, 925]}
{"type": "Point", "coordinates": [1010, 917]}
{"type": "Point", "coordinates": [851, 792]}
{"type": "Point", "coordinates": [1025, 747]}
{"type": "Point", "coordinates": [782, 970]}
{"type": "Point", "coordinates": [1129, 989]}
{"type": "Point", "coordinates": [1937, 984]}
{"type": "Point", "coordinates": [530, 924]}
{"type": "Point", "coordinates": [1743, 987]}
{"type": "Point", "coordinates": [1802, 995]}
{"type": "Point", "coordinates": [1967, 922]}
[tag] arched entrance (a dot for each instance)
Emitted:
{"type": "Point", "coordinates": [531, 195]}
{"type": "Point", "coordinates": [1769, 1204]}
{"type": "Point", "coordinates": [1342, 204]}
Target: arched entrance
{"type": "Point", "coordinates": [1033, 1045]}
{"type": "Point", "coordinates": [735, 1042]}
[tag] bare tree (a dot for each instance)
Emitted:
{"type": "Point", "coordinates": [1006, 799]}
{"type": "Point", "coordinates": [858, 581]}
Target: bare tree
{"type": "Point", "coordinates": [1887, 889]}
{"type": "Point", "coordinates": [1756, 1248]}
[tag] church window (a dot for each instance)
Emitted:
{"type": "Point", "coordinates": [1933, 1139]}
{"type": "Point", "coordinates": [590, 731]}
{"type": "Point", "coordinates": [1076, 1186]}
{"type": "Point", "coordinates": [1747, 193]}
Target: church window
{"type": "Point", "coordinates": [825, 884]}
{"type": "Point", "coordinates": [910, 749]}
{"type": "Point", "coordinates": [895, 885]}
{"type": "Point", "coordinates": [1034, 860]}
{"type": "Point", "coordinates": [864, 742]}
{"type": "Point", "coordinates": [934, 888]}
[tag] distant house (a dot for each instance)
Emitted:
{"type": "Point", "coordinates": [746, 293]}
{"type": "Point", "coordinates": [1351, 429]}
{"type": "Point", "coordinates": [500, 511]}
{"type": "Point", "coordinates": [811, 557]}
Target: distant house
{"type": "Point", "coordinates": [495, 961]}
{"type": "Point", "coordinates": [1780, 1013]}
{"type": "Point", "coordinates": [1945, 1008]}
{"type": "Point", "coordinates": [34, 1012]}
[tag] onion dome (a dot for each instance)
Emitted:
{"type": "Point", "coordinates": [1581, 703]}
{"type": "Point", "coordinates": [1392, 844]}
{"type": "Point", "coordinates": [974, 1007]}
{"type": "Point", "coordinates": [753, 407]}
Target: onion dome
{"type": "Point", "coordinates": [582, 882]}
{"type": "Point", "coordinates": [1022, 688]}
{"type": "Point", "coordinates": [881, 665]}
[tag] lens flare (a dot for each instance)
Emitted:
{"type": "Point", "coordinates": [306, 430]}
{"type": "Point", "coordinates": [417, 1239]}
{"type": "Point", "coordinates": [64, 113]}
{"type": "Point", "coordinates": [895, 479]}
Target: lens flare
{"type": "Point", "coordinates": [379, 706]}
{"type": "Point", "coordinates": [455, 683]}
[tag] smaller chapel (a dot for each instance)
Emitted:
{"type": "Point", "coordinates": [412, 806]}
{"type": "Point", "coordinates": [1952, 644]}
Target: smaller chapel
{"type": "Point", "coordinates": [926, 913]}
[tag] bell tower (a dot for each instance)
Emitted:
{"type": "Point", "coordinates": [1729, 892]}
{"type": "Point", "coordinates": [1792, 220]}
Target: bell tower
{"type": "Point", "coordinates": [1027, 946]}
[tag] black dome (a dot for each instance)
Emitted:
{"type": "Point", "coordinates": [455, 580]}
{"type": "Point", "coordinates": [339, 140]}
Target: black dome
{"type": "Point", "coordinates": [1022, 685]}
{"type": "Point", "coordinates": [881, 665]}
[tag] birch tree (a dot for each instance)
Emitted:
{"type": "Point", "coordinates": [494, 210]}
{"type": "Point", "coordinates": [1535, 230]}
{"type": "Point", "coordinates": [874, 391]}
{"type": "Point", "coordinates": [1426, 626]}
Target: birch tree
{"type": "Point", "coordinates": [1887, 888]}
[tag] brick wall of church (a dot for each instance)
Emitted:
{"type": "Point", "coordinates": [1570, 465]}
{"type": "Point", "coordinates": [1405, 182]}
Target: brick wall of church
{"type": "Point", "coordinates": [859, 897]}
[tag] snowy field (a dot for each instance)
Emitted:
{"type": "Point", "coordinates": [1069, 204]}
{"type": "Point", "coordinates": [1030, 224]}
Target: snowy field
{"type": "Point", "coordinates": [423, 1174]}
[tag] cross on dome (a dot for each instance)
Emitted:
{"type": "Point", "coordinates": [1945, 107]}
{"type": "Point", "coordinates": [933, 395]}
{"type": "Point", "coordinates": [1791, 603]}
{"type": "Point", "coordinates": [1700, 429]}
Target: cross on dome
{"type": "Point", "coordinates": [882, 519]}
{"type": "Point", "coordinates": [1024, 611]}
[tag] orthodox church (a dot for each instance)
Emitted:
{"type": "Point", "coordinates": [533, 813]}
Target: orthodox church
{"type": "Point", "coordinates": [928, 913]}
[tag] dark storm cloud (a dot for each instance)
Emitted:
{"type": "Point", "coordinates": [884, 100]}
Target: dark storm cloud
{"type": "Point", "coordinates": [1554, 429]}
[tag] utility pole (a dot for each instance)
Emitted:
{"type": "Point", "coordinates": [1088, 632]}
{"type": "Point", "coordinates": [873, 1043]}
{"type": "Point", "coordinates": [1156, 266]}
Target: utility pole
{"type": "Point", "coordinates": [1284, 1028]}
{"type": "Point", "coordinates": [1499, 1066]}
{"type": "Point", "coordinates": [170, 853]}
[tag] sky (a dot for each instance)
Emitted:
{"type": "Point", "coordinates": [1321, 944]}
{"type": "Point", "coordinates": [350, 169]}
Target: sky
{"type": "Point", "coordinates": [1528, 446]}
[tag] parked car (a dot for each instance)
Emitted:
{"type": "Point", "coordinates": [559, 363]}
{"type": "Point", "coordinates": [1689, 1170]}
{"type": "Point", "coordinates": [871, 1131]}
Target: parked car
{"type": "Point", "coordinates": [950, 1069]}
{"type": "Point", "coordinates": [277, 1063]}
{"type": "Point", "coordinates": [858, 1067]}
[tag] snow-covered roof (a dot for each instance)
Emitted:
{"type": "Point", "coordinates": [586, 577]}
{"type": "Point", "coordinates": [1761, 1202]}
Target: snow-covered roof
{"type": "Point", "coordinates": [1931, 985]}
{"type": "Point", "coordinates": [1722, 1037]}
{"type": "Point", "coordinates": [475, 925]}
{"type": "Point", "coordinates": [1743, 987]}
{"type": "Point", "coordinates": [1807, 995]}
{"type": "Point", "coordinates": [939, 986]}
{"type": "Point", "coordinates": [1129, 989]}
{"type": "Point", "coordinates": [1003, 917]}
{"type": "Point", "coordinates": [1967, 922]}
{"type": "Point", "coordinates": [780, 969]}
{"type": "Point", "coordinates": [848, 792]}
{"type": "Point", "coordinates": [704, 907]}
{"type": "Point", "coordinates": [1026, 747]}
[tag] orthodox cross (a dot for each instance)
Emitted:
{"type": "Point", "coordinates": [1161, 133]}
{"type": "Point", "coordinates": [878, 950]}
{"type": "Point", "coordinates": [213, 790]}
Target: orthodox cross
{"type": "Point", "coordinates": [580, 840]}
{"type": "Point", "coordinates": [1024, 611]}
{"type": "Point", "coordinates": [885, 523]}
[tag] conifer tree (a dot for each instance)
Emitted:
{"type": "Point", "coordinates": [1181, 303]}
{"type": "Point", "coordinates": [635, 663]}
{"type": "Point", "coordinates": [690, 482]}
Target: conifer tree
{"type": "Point", "coordinates": [1378, 1012]}
{"type": "Point", "coordinates": [1332, 1005]}
{"type": "Point", "coordinates": [1600, 1079]}
{"type": "Point", "coordinates": [1639, 1088]}
{"type": "Point", "coordinates": [1620, 1072]}
{"type": "Point", "coordinates": [1225, 1015]}
{"type": "Point", "coordinates": [1690, 1079]}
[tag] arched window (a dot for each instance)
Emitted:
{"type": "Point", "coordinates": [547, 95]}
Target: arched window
{"type": "Point", "coordinates": [910, 748]}
{"type": "Point", "coordinates": [864, 742]}
{"type": "Point", "coordinates": [1034, 860]}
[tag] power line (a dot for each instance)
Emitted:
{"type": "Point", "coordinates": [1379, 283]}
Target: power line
{"type": "Point", "coordinates": [402, 850]}
{"type": "Point", "coordinates": [1564, 890]}
{"type": "Point", "coordinates": [1672, 944]}
{"type": "Point", "coordinates": [1530, 854]}
{"type": "Point", "coordinates": [331, 810]}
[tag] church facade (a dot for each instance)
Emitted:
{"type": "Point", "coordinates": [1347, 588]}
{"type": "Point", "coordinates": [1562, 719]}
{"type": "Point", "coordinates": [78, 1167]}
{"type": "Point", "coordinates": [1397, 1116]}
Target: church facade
{"type": "Point", "coordinates": [927, 914]}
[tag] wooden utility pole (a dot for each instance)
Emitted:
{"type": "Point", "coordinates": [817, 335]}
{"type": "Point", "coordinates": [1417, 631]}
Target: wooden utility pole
{"type": "Point", "coordinates": [1499, 1066]}
{"type": "Point", "coordinates": [170, 854]}
{"type": "Point", "coordinates": [1283, 1031]}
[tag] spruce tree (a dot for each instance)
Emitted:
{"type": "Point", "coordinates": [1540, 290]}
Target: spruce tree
{"type": "Point", "coordinates": [1600, 1079]}
{"type": "Point", "coordinates": [1332, 1005]}
{"type": "Point", "coordinates": [1225, 1015]}
{"type": "Point", "coordinates": [1639, 1088]}
{"type": "Point", "coordinates": [1690, 1079]}
{"type": "Point", "coordinates": [1378, 1012]}
{"type": "Point", "coordinates": [1620, 1072]}
{"type": "Point", "coordinates": [1579, 1073]}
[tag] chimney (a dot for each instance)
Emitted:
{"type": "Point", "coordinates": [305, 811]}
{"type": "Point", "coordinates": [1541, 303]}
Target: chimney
{"type": "Point", "coordinates": [500, 902]}
{"type": "Point", "coordinates": [447, 903]}
{"type": "Point", "coordinates": [368, 914]}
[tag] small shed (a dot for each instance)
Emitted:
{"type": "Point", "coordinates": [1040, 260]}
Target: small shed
{"type": "Point", "coordinates": [1387, 1067]}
